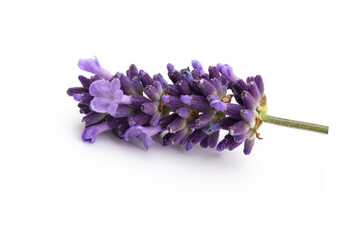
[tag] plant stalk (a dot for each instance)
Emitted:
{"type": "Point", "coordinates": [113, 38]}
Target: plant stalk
{"type": "Point", "coordinates": [294, 124]}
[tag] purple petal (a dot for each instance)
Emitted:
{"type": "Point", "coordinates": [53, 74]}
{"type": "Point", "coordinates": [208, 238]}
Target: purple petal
{"type": "Point", "coordinates": [112, 108]}
{"type": "Point", "coordinates": [136, 133]}
{"type": "Point", "coordinates": [100, 105]}
{"type": "Point", "coordinates": [90, 65]}
{"type": "Point", "coordinates": [139, 133]}
{"type": "Point", "coordinates": [101, 88]}
{"type": "Point", "coordinates": [118, 95]}
{"type": "Point", "coordinates": [115, 84]}
{"type": "Point", "coordinates": [148, 142]}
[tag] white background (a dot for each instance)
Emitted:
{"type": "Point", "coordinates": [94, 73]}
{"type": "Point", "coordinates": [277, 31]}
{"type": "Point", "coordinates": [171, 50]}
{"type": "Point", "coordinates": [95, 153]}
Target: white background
{"type": "Point", "coordinates": [295, 184]}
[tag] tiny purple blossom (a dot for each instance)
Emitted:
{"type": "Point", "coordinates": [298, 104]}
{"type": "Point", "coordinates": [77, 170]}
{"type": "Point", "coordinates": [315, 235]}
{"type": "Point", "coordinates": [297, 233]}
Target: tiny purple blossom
{"type": "Point", "coordinates": [228, 72]}
{"type": "Point", "coordinates": [248, 100]}
{"type": "Point", "coordinates": [92, 65]}
{"type": "Point", "coordinates": [184, 112]}
{"type": "Point", "coordinates": [218, 105]}
{"type": "Point", "coordinates": [249, 144]}
{"type": "Point", "coordinates": [90, 133]}
{"type": "Point", "coordinates": [107, 96]}
{"type": "Point", "coordinates": [195, 101]}
{"type": "Point", "coordinates": [144, 134]}
{"type": "Point", "coordinates": [180, 135]}
{"type": "Point", "coordinates": [254, 90]}
{"type": "Point", "coordinates": [197, 65]}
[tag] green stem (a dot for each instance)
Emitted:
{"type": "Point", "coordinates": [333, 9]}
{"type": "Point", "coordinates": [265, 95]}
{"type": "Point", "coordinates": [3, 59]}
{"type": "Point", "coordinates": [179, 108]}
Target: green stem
{"type": "Point", "coordinates": [294, 124]}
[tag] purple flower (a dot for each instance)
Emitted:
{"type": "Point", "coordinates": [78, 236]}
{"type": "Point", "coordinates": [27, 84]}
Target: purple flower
{"type": "Point", "coordinates": [144, 134]}
{"type": "Point", "coordinates": [197, 65]}
{"type": "Point", "coordinates": [90, 133]}
{"type": "Point", "coordinates": [92, 65]}
{"type": "Point", "coordinates": [195, 101]}
{"type": "Point", "coordinates": [249, 144]}
{"type": "Point", "coordinates": [107, 96]}
{"type": "Point", "coordinates": [190, 111]}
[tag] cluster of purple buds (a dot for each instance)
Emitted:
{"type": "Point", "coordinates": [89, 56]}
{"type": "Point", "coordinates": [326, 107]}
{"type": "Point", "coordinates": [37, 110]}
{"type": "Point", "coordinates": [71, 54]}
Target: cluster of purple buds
{"type": "Point", "coordinates": [189, 111]}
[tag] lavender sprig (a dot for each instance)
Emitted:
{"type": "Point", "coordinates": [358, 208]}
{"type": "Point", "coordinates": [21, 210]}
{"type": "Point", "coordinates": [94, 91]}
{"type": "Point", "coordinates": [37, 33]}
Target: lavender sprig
{"type": "Point", "coordinates": [190, 111]}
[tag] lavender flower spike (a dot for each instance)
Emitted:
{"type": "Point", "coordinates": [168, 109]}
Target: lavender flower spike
{"type": "Point", "coordinates": [189, 112]}
{"type": "Point", "coordinates": [92, 65]}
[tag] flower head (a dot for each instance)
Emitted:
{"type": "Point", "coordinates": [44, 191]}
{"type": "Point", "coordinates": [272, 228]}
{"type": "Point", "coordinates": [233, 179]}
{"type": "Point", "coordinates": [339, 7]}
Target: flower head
{"type": "Point", "coordinates": [92, 65]}
{"type": "Point", "coordinates": [144, 134]}
{"type": "Point", "coordinates": [90, 133]}
{"type": "Point", "coordinates": [107, 96]}
{"type": "Point", "coordinates": [191, 111]}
